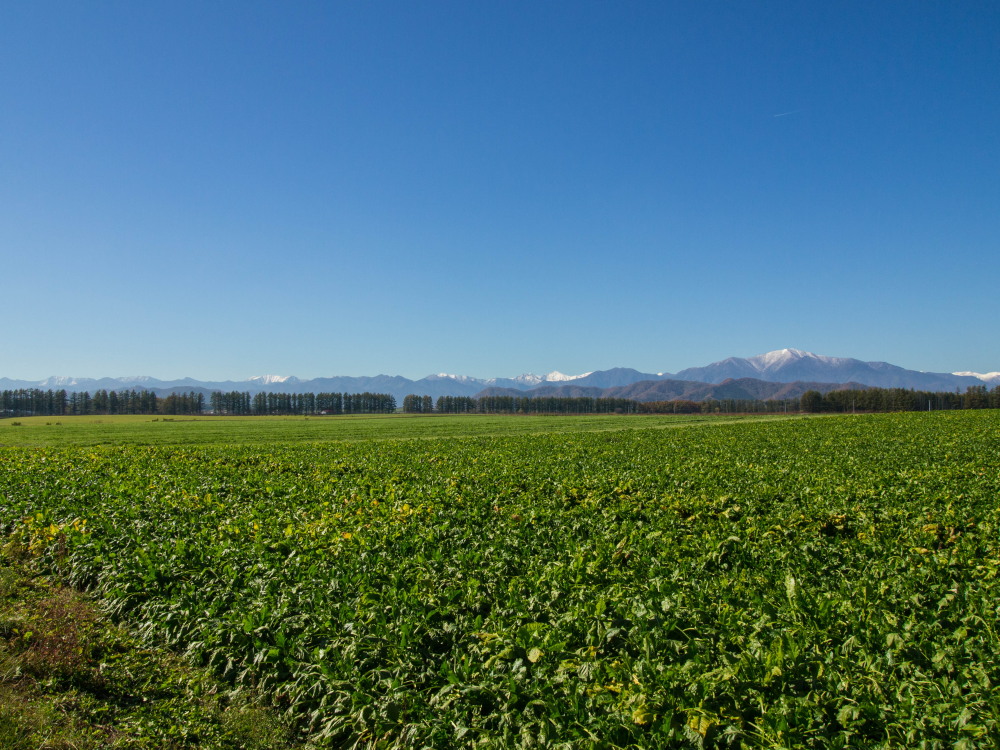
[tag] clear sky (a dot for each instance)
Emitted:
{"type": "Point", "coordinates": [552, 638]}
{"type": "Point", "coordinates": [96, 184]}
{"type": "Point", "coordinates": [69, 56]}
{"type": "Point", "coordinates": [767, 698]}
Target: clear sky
{"type": "Point", "coordinates": [227, 189]}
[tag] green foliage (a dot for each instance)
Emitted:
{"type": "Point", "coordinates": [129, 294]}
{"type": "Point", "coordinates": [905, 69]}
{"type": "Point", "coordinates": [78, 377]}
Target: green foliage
{"type": "Point", "coordinates": [816, 583]}
{"type": "Point", "coordinates": [266, 431]}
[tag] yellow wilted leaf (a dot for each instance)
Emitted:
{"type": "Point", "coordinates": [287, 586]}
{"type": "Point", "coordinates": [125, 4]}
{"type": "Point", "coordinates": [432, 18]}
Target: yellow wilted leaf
{"type": "Point", "coordinates": [700, 724]}
{"type": "Point", "coordinates": [642, 715]}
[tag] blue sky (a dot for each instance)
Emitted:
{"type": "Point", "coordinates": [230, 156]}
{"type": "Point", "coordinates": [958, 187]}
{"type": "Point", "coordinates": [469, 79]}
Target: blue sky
{"type": "Point", "coordinates": [226, 189]}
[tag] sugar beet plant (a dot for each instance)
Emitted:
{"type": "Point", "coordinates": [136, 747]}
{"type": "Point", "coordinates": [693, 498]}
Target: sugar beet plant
{"type": "Point", "coordinates": [820, 583]}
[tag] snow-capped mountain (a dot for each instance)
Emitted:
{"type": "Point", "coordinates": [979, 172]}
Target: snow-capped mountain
{"type": "Point", "coordinates": [530, 379]}
{"type": "Point", "coordinates": [557, 377]}
{"type": "Point", "coordinates": [782, 357]}
{"type": "Point", "coordinates": [527, 379]}
{"type": "Point", "coordinates": [272, 379]}
{"type": "Point", "coordinates": [57, 381]}
{"type": "Point", "coordinates": [779, 366]}
{"type": "Point", "coordinates": [456, 378]}
{"type": "Point", "coordinates": [790, 365]}
{"type": "Point", "coordinates": [990, 378]}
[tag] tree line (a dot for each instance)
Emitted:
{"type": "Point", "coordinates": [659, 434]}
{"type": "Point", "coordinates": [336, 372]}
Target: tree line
{"type": "Point", "coordinates": [37, 402]}
{"type": "Point", "coordinates": [899, 399]}
{"type": "Point", "coordinates": [519, 405]}
{"type": "Point", "coordinates": [27, 402]}
{"type": "Point", "coordinates": [265, 403]}
{"type": "Point", "coordinates": [867, 400]}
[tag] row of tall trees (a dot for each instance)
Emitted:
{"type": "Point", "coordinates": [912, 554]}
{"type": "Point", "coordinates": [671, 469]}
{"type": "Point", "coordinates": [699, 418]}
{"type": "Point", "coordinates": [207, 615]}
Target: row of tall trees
{"type": "Point", "coordinates": [867, 400]}
{"type": "Point", "coordinates": [34, 401]}
{"type": "Point", "coordinates": [260, 404]}
{"type": "Point", "coordinates": [899, 399]}
{"type": "Point", "coordinates": [56, 403]}
{"type": "Point", "coordinates": [585, 405]}
{"type": "Point", "coordinates": [457, 405]}
{"type": "Point", "coordinates": [115, 402]}
{"type": "Point", "coordinates": [814, 402]}
{"type": "Point", "coordinates": [413, 404]}
{"type": "Point", "coordinates": [26, 401]}
{"type": "Point", "coordinates": [519, 405]}
{"type": "Point", "coordinates": [182, 403]}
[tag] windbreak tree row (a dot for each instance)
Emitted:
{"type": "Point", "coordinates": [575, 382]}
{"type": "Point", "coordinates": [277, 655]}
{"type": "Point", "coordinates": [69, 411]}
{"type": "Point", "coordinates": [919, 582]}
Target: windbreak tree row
{"type": "Point", "coordinates": [38, 402]}
{"type": "Point", "coordinates": [57, 403]}
{"type": "Point", "coordinates": [899, 399]}
{"type": "Point", "coordinates": [529, 405]}
{"type": "Point", "coordinates": [261, 404]}
{"type": "Point", "coordinates": [27, 402]}
{"type": "Point", "coordinates": [841, 401]}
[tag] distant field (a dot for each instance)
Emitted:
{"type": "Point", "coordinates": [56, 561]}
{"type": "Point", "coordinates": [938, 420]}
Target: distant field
{"type": "Point", "coordinates": [189, 430]}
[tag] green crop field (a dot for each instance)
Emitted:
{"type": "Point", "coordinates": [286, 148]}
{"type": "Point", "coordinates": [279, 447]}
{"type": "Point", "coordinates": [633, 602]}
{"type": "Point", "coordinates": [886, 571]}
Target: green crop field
{"type": "Point", "coordinates": [820, 583]}
{"type": "Point", "coordinates": [147, 430]}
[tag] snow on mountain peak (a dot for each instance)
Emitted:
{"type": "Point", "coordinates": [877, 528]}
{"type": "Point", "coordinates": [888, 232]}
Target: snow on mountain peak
{"type": "Point", "coordinates": [557, 377]}
{"type": "Point", "coordinates": [528, 377]}
{"type": "Point", "coordinates": [58, 380]}
{"type": "Point", "coordinates": [777, 358]}
{"type": "Point", "coordinates": [268, 379]}
{"type": "Point", "coordinates": [986, 377]}
{"type": "Point", "coordinates": [553, 377]}
{"type": "Point", "coordinates": [457, 378]}
{"type": "Point", "coordinates": [780, 357]}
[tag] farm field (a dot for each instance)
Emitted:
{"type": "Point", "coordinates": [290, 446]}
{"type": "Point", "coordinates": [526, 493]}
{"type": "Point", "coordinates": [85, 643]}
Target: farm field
{"type": "Point", "coordinates": [821, 583]}
{"type": "Point", "coordinates": [148, 430]}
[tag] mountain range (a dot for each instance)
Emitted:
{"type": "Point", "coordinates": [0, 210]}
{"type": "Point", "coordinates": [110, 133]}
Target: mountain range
{"type": "Point", "coordinates": [792, 370]}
